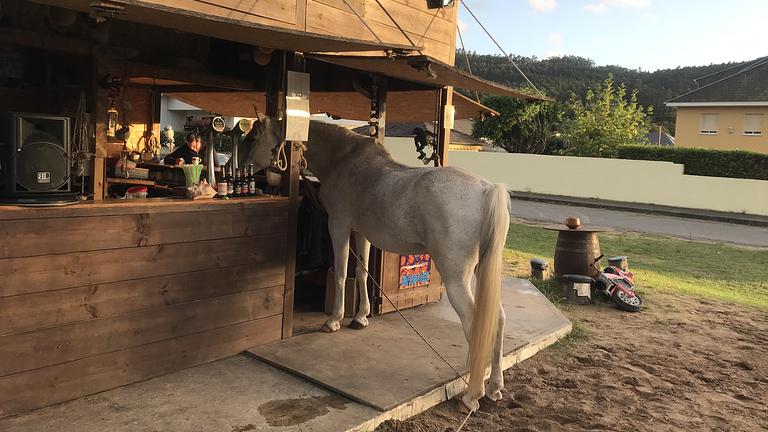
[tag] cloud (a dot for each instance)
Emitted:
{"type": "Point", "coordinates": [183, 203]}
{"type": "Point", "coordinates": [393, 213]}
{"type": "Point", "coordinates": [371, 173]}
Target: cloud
{"type": "Point", "coordinates": [555, 38]}
{"type": "Point", "coordinates": [543, 5]}
{"type": "Point", "coordinates": [601, 5]}
{"type": "Point", "coordinates": [463, 27]}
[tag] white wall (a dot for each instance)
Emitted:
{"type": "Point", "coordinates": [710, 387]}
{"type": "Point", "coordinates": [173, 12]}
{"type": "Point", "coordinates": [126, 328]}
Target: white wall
{"type": "Point", "coordinates": [648, 182]}
{"type": "Point", "coordinates": [175, 112]}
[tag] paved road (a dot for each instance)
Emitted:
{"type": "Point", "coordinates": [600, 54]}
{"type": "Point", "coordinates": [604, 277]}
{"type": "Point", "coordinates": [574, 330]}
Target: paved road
{"type": "Point", "coordinates": [667, 225]}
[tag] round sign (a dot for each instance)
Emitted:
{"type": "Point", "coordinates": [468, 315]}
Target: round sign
{"type": "Point", "coordinates": [245, 125]}
{"type": "Point", "coordinates": [218, 124]}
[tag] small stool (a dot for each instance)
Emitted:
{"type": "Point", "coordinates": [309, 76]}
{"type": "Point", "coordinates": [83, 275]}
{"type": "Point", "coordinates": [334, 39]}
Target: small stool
{"type": "Point", "coordinates": [619, 261]}
{"type": "Point", "coordinates": [577, 289]}
{"type": "Point", "coordinates": [539, 268]}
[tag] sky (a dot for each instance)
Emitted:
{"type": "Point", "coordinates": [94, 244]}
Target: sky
{"type": "Point", "coordinates": [637, 34]}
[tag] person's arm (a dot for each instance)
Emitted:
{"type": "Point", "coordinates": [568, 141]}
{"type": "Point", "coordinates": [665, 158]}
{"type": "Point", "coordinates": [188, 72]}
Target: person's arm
{"type": "Point", "coordinates": [176, 155]}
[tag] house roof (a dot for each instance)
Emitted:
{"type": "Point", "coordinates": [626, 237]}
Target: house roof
{"type": "Point", "coordinates": [425, 70]}
{"type": "Point", "coordinates": [745, 84]}
{"type": "Point", "coordinates": [405, 130]}
{"type": "Point", "coordinates": [666, 139]}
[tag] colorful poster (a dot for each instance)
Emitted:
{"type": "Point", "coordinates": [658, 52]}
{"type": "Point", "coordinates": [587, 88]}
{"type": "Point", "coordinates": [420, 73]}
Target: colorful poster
{"type": "Point", "coordinates": [414, 270]}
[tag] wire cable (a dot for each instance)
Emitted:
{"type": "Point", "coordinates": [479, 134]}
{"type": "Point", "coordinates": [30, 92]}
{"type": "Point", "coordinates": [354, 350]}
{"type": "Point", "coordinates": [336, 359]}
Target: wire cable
{"type": "Point", "coordinates": [463, 3]}
{"type": "Point", "coordinates": [466, 59]}
{"type": "Point", "coordinates": [364, 23]}
{"type": "Point", "coordinates": [365, 267]}
{"type": "Point", "coordinates": [394, 21]}
{"type": "Point", "coordinates": [458, 374]}
{"type": "Point", "coordinates": [429, 26]}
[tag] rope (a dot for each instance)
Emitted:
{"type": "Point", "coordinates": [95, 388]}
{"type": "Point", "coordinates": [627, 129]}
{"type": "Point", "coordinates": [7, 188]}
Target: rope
{"type": "Point", "coordinates": [463, 3]}
{"type": "Point", "coordinates": [466, 58]}
{"type": "Point", "coordinates": [363, 21]}
{"type": "Point", "coordinates": [398, 26]}
{"type": "Point", "coordinates": [461, 426]}
{"type": "Point", "coordinates": [281, 160]}
{"type": "Point", "coordinates": [458, 374]}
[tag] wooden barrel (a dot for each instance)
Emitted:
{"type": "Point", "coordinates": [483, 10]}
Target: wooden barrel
{"type": "Point", "coordinates": [575, 252]}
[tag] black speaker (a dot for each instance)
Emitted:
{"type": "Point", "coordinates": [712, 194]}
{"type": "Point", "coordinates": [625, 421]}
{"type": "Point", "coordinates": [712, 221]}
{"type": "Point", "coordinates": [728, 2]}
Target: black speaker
{"type": "Point", "coordinates": [37, 165]}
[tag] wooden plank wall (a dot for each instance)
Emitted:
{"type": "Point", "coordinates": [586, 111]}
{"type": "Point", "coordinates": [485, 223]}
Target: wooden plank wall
{"type": "Point", "coordinates": [406, 298]}
{"type": "Point", "coordinates": [433, 29]}
{"type": "Point", "coordinates": [278, 13]}
{"type": "Point", "coordinates": [89, 303]}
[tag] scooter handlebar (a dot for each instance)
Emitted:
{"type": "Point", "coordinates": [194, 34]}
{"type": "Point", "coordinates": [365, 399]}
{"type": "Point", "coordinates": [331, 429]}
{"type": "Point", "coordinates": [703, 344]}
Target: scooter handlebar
{"type": "Point", "coordinates": [599, 258]}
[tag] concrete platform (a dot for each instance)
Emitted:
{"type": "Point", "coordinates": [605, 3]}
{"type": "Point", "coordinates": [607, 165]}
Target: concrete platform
{"type": "Point", "coordinates": [387, 364]}
{"type": "Point", "coordinates": [241, 394]}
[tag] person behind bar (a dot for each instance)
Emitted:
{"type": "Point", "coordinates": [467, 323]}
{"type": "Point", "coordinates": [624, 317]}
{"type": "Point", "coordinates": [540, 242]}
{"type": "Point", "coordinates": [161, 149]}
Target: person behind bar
{"type": "Point", "coordinates": [192, 148]}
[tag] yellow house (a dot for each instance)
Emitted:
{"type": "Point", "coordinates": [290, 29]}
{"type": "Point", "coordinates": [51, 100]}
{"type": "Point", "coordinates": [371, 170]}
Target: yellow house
{"type": "Point", "coordinates": [727, 112]}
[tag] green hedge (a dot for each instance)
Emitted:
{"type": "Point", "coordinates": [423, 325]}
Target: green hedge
{"type": "Point", "coordinates": [703, 162]}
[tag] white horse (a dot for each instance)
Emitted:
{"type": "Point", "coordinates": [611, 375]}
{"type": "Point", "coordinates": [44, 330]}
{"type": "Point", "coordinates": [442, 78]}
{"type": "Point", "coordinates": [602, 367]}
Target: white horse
{"type": "Point", "coordinates": [460, 219]}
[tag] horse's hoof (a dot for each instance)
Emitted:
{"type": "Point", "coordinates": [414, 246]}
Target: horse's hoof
{"type": "Point", "coordinates": [494, 395]}
{"type": "Point", "coordinates": [493, 390]}
{"type": "Point", "coordinates": [465, 408]}
{"type": "Point", "coordinates": [331, 328]}
{"type": "Point", "coordinates": [357, 325]}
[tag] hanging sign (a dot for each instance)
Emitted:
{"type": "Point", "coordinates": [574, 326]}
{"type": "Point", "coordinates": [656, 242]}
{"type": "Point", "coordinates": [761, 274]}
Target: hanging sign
{"type": "Point", "coordinates": [218, 124]}
{"type": "Point", "coordinates": [414, 270]}
{"type": "Point", "coordinates": [297, 107]}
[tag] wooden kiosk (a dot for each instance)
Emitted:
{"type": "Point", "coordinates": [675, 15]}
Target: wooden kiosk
{"type": "Point", "coordinates": [109, 292]}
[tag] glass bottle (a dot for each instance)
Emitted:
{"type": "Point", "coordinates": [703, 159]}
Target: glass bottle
{"type": "Point", "coordinates": [230, 183]}
{"type": "Point", "coordinates": [244, 183]}
{"type": "Point", "coordinates": [251, 181]}
{"type": "Point", "coordinates": [238, 183]}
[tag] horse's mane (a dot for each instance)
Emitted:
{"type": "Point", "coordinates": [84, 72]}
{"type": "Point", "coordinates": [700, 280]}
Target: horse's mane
{"type": "Point", "coordinates": [338, 134]}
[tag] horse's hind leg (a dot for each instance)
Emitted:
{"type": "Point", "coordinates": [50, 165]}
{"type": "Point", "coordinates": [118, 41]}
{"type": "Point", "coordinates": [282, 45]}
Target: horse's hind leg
{"type": "Point", "coordinates": [496, 383]}
{"type": "Point", "coordinates": [340, 239]}
{"type": "Point", "coordinates": [458, 286]}
{"type": "Point", "coordinates": [361, 281]}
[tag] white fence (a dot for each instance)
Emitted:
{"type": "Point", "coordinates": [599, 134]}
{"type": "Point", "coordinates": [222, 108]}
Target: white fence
{"type": "Point", "coordinates": [647, 182]}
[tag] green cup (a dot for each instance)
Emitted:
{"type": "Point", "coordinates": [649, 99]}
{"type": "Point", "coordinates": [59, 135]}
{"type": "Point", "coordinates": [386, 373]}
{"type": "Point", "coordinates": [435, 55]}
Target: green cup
{"type": "Point", "coordinates": [192, 174]}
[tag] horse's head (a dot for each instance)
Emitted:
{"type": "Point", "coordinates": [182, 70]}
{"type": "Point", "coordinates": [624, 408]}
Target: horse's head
{"type": "Point", "coordinates": [258, 145]}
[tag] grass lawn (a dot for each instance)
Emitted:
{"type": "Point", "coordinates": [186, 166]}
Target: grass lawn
{"type": "Point", "coordinates": [707, 270]}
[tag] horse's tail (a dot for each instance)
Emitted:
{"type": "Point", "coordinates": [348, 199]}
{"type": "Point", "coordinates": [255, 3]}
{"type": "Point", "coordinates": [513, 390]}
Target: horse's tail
{"type": "Point", "coordinates": [488, 293]}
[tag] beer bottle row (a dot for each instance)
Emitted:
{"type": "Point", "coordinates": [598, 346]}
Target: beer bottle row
{"type": "Point", "coordinates": [241, 184]}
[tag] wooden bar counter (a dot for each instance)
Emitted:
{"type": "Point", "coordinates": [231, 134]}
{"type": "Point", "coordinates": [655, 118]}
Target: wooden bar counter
{"type": "Point", "coordinates": [98, 295]}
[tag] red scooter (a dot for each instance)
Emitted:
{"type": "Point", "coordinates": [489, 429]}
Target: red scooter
{"type": "Point", "coordinates": [618, 285]}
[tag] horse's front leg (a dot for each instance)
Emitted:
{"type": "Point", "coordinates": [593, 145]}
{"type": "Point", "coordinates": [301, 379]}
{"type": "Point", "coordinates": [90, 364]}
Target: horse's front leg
{"type": "Point", "coordinates": [361, 281]}
{"type": "Point", "coordinates": [340, 239]}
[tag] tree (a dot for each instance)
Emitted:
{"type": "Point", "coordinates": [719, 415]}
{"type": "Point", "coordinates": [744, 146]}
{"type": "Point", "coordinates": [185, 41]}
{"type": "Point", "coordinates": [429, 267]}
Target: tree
{"type": "Point", "coordinates": [520, 127]}
{"type": "Point", "coordinates": [560, 76]}
{"type": "Point", "coordinates": [605, 120]}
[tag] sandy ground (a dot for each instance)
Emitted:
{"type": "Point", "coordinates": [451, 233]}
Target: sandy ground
{"type": "Point", "coordinates": [680, 365]}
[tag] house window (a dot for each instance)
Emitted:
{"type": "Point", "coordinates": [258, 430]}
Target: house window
{"type": "Point", "coordinates": [753, 124]}
{"type": "Point", "coordinates": [708, 124]}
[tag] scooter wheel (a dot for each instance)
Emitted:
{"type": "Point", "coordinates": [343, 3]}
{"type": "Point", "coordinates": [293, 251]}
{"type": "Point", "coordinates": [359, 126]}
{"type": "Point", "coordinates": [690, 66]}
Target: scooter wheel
{"type": "Point", "coordinates": [627, 301]}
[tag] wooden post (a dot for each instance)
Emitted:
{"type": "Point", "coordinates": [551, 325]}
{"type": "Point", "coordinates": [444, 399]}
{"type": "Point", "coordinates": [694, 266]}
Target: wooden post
{"type": "Point", "coordinates": [375, 262]}
{"type": "Point", "coordinates": [301, 15]}
{"type": "Point", "coordinates": [291, 188]}
{"type": "Point", "coordinates": [101, 104]}
{"type": "Point", "coordinates": [381, 106]}
{"type": "Point", "coordinates": [444, 127]}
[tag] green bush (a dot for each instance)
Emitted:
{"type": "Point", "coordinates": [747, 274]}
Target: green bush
{"type": "Point", "coordinates": [703, 162]}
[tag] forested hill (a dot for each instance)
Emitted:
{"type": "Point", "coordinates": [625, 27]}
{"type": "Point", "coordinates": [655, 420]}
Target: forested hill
{"type": "Point", "coordinates": [560, 76]}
